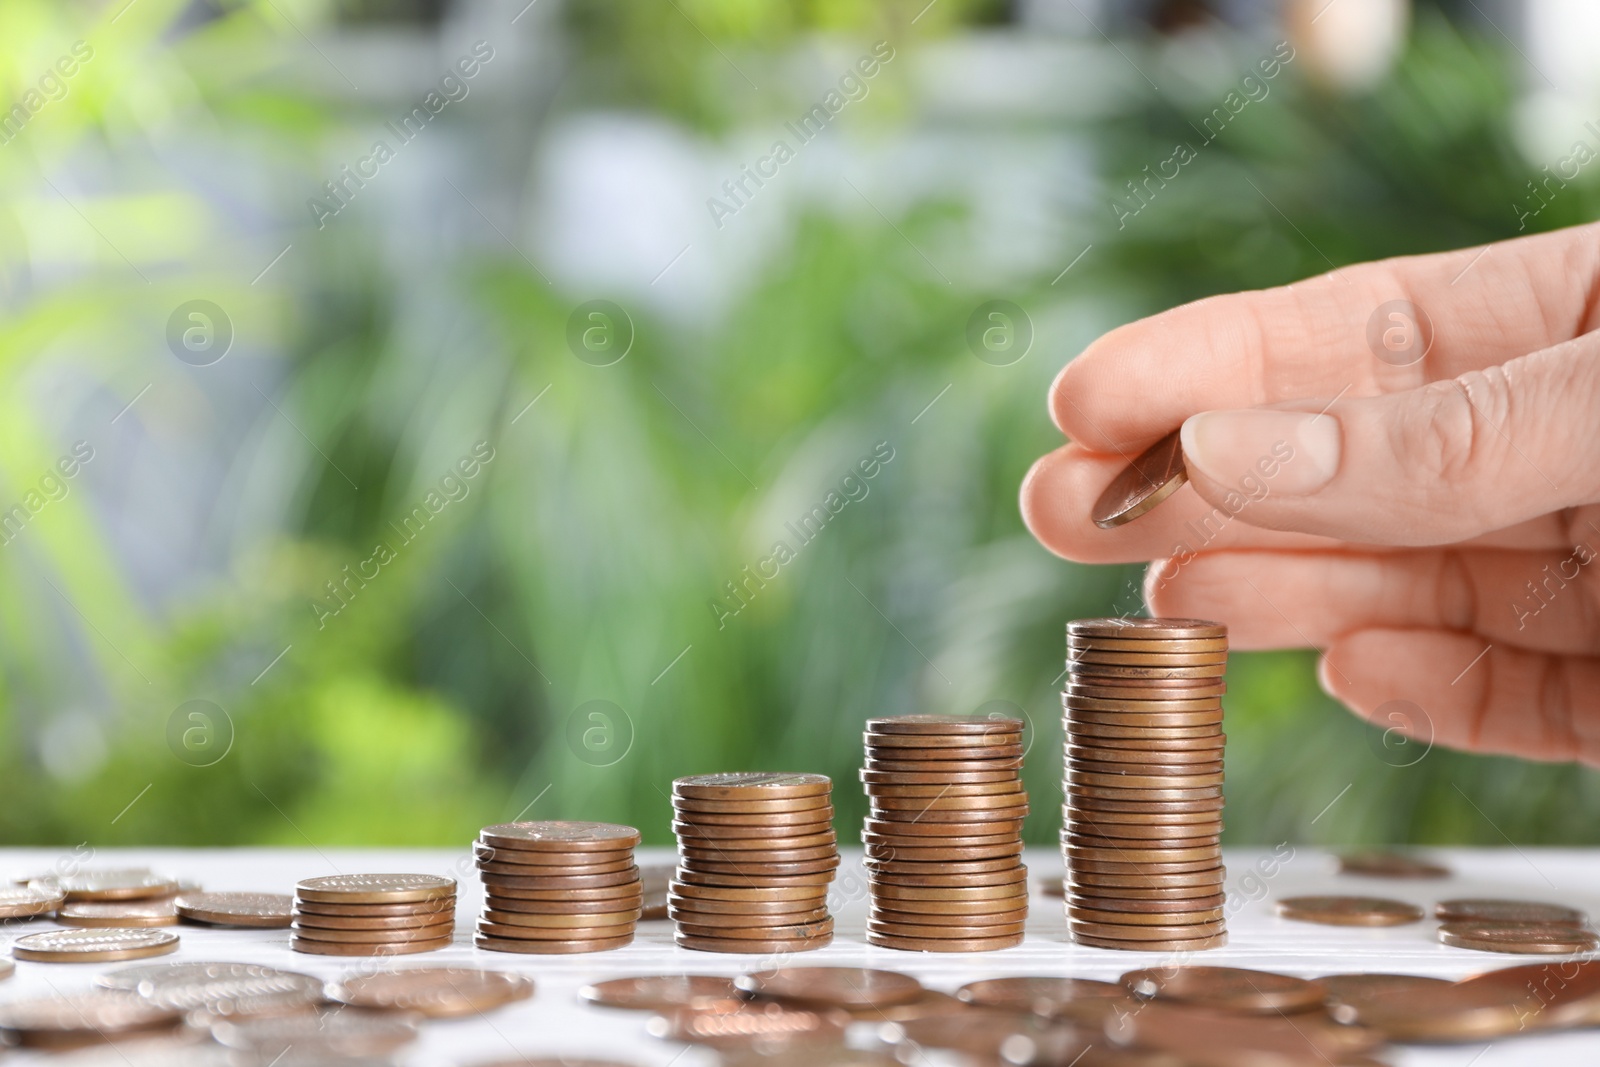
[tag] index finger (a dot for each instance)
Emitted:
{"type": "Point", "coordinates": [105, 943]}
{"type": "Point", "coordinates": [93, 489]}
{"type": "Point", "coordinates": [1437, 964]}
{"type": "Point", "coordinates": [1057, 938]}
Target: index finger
{"type": "Point", "coordinates": [1243, 350]}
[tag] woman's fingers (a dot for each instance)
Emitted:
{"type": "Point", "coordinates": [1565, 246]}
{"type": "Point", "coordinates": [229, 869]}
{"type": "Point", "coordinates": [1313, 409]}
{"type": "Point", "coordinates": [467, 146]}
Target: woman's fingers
{"type": "Point", "coordinates": [1243, 350]}
{"type": "Point", "coordinates": [1459, 691]}
{"type": "Point", "coordinates": [1437, 465]}
{"type": "Point", "coordinates": [1542, 601]}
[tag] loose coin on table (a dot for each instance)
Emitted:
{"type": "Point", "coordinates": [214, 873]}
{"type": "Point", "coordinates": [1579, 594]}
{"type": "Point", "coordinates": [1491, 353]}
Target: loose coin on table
{"type": "Point", "coordinates": [1526, 938]}
{"type": "Point", "coordinates": [432, 992]}
{"type": "Point", "coordinates": [1379, 863]}
{"type": "Point", "coordinates": [343, 1032]}
{"type": "Point", "coordinates": [1349, 911]}
{"type": "Point", "coordinates": [836, 987]}
{"type": "Point", "coordinates": [118, 913]}
{"type": "Point", "coordinates": [30, 901]}
{"type": "Point", "coordinates": [130, 883]}
{"type": "Point", "coordinates": [78, 1019]}
{"type": "Point", "coordinates": [219, 989]}
{"type": "Point", "coordinates": [93, 946]}
{"type": "Point", "coordinates": [1483, 909]}
{"type": "Point", "coordinates": [270, 910]}
{"type": "Point", "coordinates": [1227, 988]}
{"type": "Point", "coordinates": [660, 992]}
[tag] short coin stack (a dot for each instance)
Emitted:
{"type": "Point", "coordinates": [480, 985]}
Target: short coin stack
{"type": "Point", "coordinates": [944, 833]}
{"type": "Point", "coordinates": [756, 854]}
{"type": "Point", "coordinates": [373, 914]}
{"type": "Point", "coordinates": [1143, 812]}
{"type": "Point", "coordinates": [557, 887]}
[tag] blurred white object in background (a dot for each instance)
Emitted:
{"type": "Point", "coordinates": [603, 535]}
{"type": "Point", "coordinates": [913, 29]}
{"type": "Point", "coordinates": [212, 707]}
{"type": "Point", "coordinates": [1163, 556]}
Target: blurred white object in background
{"type": "Point", "coordinates": [1562, 107]}
{"type": "Point", "coordinates": [1347, 44]}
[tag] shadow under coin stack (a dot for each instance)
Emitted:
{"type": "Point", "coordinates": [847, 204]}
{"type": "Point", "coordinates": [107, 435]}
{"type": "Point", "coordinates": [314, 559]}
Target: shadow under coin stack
{"type": "Point", "coordinates": [756, 854]}
{"type": "Point", "coordinates": [1143, 813]}
{"type": "Point", "coordinates": [557, 887]}
{"type": "Point", "coordinates": [944, 833]}
{"type": "Point", "coordinates": [373, 914]}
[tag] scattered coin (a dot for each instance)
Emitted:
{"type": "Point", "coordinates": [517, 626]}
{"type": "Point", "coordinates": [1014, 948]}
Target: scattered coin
{"type": "Point", "coordinates": [432, 992]}
{"type": "Point", "coordinates": [1564, 995]}
{"type": "Point", "coordinates": [1451, 1012]}
{"type": "Point", "coordinates": [1524, 938]}
{"type": "Point", "coordinates": [93, 946]}
{"type": "Point", "coordinates": [131, 883]}
{"type": "Point", "coordinates": [746, 1024]}
{"type": "Point", "coordinates": [1385, 864]}
{"type": "Point", "coordinates": [118, 913]}
{"type": "Point", "coordinates": [1349, 911]}
{"type": "Point", "coordinates": [1156, 474]}
{"type": "Point", "coordinates": [1038, 994]}
{"type": "Point", "coordinates": [1479, 909]}
{"type": "Point", "coordinates": [344, 1032]}
{"type": "Point", "coordinates": [29, 901]}
{"type": "Point", "coordinates": [660, 992]}
{"type": "Point", "coordinates": [838, 987]}
{"type": "Point", "coordinates": [75, 1020]}
{"type": "Point", "coordinates": [1227, 989]}
{"type": "Point", "coordinates": [218, 989]}
{"type": "Point", "coordinates": [1201, 1035]}
{"type": "Point", "coordinates": [236, 909]}
{"type": "Point", "coordinates": [1347, 988]}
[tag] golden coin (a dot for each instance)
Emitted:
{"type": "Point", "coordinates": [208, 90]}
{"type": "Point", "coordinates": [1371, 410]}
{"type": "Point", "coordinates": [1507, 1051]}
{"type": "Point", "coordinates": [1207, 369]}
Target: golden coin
{"type": "Point", "coordinates": [751, 807]}
{"type": "Point", "coordinates": [733, 1026]}
{"type": "Point", "coordinates": [944, 944]}
{"type": "Point", "coordinates": [1138, 627]}
{"type": "Point", "coordinates": [692, 876]}
{"type": "Point", "coordinates": [871, 777]}
{"type": "Point", "coordinates": [25, 902]}
{"type": "Point", "coordinates": [431, 932]}
{"type": "Point", "coordinates": [1454, 1011]}
{"type": "Point", "coordinates": [1564, 995]}
{"type": "Point", "coordinates": [834, 987]}
{"type": "Point", "coordinates": [347, 922]}
{"type": "Point", "coordinates": [105, 914]}
{"type": "Point", "coordinates": [549, 948]}
{"type": "Point", "coordinates": [1384, 864]}
{"type": "Point", "coordinates": [660, 992]}
{"type": "Point", "coordinates": [73, 1020]}
{"type": "Point", "coordinates": [132, 883]}
{"type": "Point", "coordinates": [93, 946]}
{"type": "Point", "coordinates": [375, 888]}
{"type": "Point", "coordinates": [218, 989]}
{"type": "Point", "coordinates": [1346, 989]}
{"type": "Point", "coordinates": [1038, 995]}
{"type": "Point", "coordinates": [751, 785]}
{"type": "Point", "coordinates": [346, 948]}
{"type": "Point", "coordinates": [1481, 909]}
{"type": "Point", "coordinates": [560, 836]}
{"type": "Point", "coordinates": [552, 882]}
{"type": "Point", "coordinates": [1348, 911]}
{"type": "Point", "coordinates": [1227, 988]}
{"type": "Point", "coordinates": [520, 870]}
{"type": "Point", "coordinates": [942, 725]}
{"type": "Point", "coordinates": [1194, 944]}
{"type": "Point", "coordinates": [236, 909]}
{"type": "Point", "coordinates": [1525, 938]}
{"type": "Point", "coordinates": [433, 992]}
{"type": "Point", "coordinates": [1170, 1030]}
{"type": "Point", "coordinates": [756, 894]}
{"type": "Point", "coordinates": [1154, 475]}
{"type": "Point", "coordinates": [749, 947]}
{"type": "Point", "coordinates": [559, 922]}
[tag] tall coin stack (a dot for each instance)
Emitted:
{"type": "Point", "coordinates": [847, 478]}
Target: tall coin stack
{"type": "Point", "coordinates": [944, 833]}
{"type": "Point", "coordinates": [756, 854]}
{"type": "Point", "coordinates": [1143, 813]}
{"type": "Point", "coordinates": [557, 887]}
{"type": "Point", "coordinates": [373, 914]}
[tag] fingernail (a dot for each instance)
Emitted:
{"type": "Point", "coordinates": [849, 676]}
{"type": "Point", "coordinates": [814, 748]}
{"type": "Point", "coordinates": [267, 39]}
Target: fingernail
{"type": "Point", "coordinates": [1291, 452]}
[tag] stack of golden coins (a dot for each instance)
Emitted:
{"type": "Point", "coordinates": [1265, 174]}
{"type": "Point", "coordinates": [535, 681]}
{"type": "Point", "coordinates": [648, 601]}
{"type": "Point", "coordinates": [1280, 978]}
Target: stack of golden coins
{"type": "Point", "coordinates": [756, 854]}
{"type": "Point", "coordinates": [944, 833]}
{"type": "Point", "coordinates": [373, 914]}
{"type": "Point", "coordinates": [557, 887]}
{"type": "Point", "coordinates": [1143, 812]}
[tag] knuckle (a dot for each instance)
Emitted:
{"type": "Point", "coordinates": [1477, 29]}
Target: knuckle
{"type": "Point", "coordinates": [1455, 434]}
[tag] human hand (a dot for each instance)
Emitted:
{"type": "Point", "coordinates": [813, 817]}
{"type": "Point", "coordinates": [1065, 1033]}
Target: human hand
{"type": "Point", "coordinates": [1403, 519]}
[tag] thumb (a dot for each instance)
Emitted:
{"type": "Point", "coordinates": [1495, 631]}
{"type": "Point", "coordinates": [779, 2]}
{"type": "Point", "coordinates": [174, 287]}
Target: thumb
{"type": "Point", "coordinates": [1443, 463]}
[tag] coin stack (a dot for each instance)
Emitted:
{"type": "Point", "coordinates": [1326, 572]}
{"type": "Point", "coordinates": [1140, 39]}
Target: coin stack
{"type": "Point", "coordinates": [756, 854]}
{"type": "Point", "coordinates": [1143, 813]}
{"type": "Point", "coordinates": [373, 914]}
{"type": "Point", "coordinates": [555, 887]}
{"type": "Point", "coordinates": [944, 833]}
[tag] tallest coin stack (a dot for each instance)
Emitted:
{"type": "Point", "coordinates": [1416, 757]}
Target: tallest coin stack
{"type": "Point", "coordinates": [1143, 815]}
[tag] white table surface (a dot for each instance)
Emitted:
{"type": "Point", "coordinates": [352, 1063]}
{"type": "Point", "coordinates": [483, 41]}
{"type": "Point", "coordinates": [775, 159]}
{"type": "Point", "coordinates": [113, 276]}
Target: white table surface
{"type": "Point", "coordinates": [556, 1021]}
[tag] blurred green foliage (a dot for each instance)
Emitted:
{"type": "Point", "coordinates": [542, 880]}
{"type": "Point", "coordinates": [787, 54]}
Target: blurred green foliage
{"type": "Point", "coordinates": [583, 561]}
